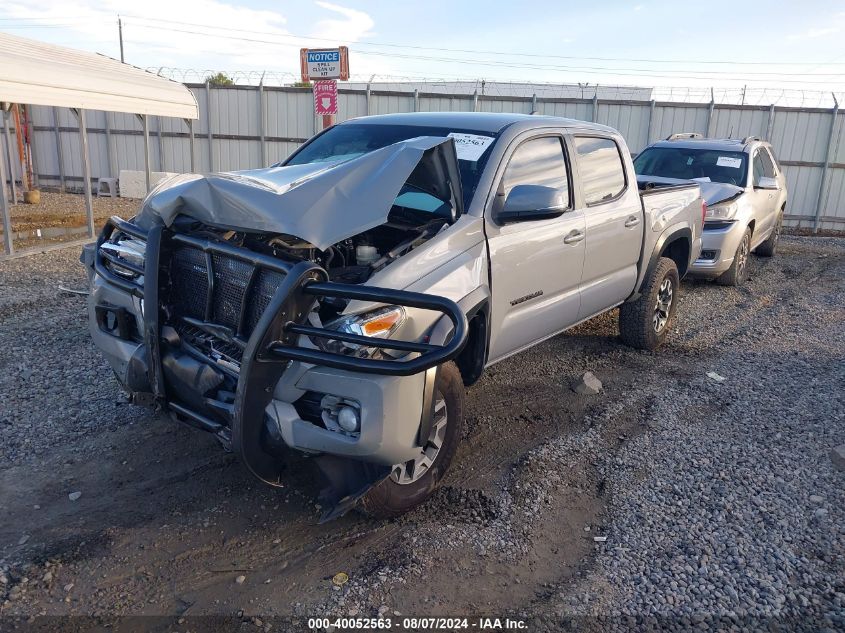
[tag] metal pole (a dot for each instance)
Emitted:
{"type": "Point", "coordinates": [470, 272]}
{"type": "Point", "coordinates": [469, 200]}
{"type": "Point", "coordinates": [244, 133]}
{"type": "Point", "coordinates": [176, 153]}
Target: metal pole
{"type": "Point", "coordinates": [710, 109]}
{"type": "Point", "coordinates": [109, 152]}
{"type": "Point", "coordinates": [368, 99]}
{"type": "Point", "coordinates": [416, 99]}
{"type": "Point", "coordinates": [120, 37]}
{"type": "Point", "coordinates": [59, 148]}
{"type": "Point", "coordinates": [190, 123]}
{"type": "Point", "coordinates": [261, 131]}
{"type": "Point", "coordinates": [161, 165]}
{"type": "Point", "coordinates": [210, 134]}
{"type": "Point", "coordinates": [11, 160]}
{"type": "Point", "coordinates": [650, 121]}
{"type": "Point", "coordinates": [826, 167]}
{"type": "Point", "coordinates": [33, 153]}
{"type": "Point", "coordinates": [8, 245]}
{"type": "Point", "coordinates": [86, 171]}
{"type": "Point", "coordinates": [534, 103]}
{"type": "Point", "coordinates": [770, 124]}
{"type": "Point", "coordinates": [596, 104]}
{"type": "Point", "coordinates": [145, 123]}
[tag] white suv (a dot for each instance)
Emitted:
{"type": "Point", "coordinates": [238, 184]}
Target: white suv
{"type": "Point", "coordinates": [745, 191]}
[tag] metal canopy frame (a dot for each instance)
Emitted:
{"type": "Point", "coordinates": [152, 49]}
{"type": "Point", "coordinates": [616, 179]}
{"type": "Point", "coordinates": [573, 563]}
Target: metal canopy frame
{"type": "Point", "coordinates": [7, 170]}
{"type": "Point", "coordinates": [70, 78]}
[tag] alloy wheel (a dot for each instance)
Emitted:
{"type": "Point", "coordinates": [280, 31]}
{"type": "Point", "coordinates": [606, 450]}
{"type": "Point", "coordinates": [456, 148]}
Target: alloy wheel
{"type": "Point", "coordinates": [412, 470]}
{"type": "Point", "coordinates": [742, 257]}
{"type": "Point", "coordinates": [665, 295]}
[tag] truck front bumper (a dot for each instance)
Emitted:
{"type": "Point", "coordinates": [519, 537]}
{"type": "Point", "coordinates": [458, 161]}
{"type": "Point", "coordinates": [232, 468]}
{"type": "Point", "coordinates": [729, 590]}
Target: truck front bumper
{"type": "Point", "coordinates": [719, 242]}
{"type": "Point", "coordinates": [253, 407]}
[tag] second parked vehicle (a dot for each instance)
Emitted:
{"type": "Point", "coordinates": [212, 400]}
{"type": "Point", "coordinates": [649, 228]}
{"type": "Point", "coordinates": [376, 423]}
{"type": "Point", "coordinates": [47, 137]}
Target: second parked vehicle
{"type": "Point", "coordinates": [745, 191]}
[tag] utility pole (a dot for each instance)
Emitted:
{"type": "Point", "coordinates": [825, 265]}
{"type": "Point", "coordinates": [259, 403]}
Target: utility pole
{"type": "Point", "coordinates": [120, 36]}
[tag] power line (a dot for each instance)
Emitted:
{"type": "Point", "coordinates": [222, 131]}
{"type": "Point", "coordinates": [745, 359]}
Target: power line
{"type": "Point", "coordinates": [585, 70]}
{"type": "Point", "coordinates": [484, 52]}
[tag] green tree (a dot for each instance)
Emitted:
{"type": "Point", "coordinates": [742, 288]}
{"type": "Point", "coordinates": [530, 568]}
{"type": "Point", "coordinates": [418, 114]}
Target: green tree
{"type": "Point", "coordinates": [220, 79]}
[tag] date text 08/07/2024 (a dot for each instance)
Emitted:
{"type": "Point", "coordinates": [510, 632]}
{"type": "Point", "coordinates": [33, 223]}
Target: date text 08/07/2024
{"type": "Point", "coordinates": [419, 623]}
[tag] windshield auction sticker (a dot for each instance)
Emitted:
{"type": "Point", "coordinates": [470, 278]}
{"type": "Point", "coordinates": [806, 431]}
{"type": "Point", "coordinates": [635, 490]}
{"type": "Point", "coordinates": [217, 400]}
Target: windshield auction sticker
{"type": "Point", "coordinates": [729, 161]}
{"type": "Point", "coordinates": [470, 146]}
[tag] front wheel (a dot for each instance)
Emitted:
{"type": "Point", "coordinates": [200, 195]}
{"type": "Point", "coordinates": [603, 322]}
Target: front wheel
{"type": "Point", "coordinates": [644, 323]}
{"type": "Point", "coordinates": [738, 272]}
{"type": "Point", "coordinates": [411, 483]}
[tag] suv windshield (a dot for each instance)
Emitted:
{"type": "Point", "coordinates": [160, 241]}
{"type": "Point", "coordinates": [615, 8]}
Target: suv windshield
{"type": "Point", "coordinates": [708, 165]}
{"type": "Point", "coordinates": [349, 140]}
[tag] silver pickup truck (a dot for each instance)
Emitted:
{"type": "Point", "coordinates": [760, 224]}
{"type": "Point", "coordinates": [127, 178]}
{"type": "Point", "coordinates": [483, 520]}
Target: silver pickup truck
{"type": "Point", "coordinates": [338, 303]}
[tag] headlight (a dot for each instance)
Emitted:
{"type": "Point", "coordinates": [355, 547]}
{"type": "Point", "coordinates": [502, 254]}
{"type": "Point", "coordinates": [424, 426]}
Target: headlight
{"type": "Point", "coordinates": [721, 211]}
{"type": "Point", "coordinates": [379, 323]}
{"type": "Point", "coordinates": [125, 249]}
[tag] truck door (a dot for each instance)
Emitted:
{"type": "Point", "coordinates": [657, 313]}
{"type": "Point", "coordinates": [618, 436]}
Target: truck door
{"type": "Point", "coordinates": [614, 223]}
{"type": "Point", "coordinates": [535, 264]}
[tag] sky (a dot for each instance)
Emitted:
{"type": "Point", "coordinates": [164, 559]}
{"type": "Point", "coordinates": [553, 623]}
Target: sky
{"type": "Point", "coordinates": [787, 46]}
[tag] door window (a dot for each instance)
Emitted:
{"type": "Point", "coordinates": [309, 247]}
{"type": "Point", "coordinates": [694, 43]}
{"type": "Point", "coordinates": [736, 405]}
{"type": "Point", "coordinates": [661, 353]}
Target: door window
{"type": "Point", "coordinates": [768, 166]}
{"type": "Point", "coordinates": [758, 167]}
{"type": "Point", "coordinates": [540, 161]}
{"type": "Point", "coordinates": [601, 169]}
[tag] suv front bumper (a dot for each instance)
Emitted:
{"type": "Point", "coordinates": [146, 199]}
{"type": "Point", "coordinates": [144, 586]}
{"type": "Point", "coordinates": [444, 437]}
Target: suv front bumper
{"type": "Point", "coordinates": [718, 247]}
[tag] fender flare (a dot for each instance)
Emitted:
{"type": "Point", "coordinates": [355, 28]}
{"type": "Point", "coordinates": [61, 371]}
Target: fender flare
{"type": "Point", "coordinates": [668, 236]}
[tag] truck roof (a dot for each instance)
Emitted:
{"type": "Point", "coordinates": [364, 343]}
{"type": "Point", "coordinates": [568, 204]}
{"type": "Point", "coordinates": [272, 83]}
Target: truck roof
{"type": "Point", "coordinates": [493, 122]}
{"type": "Point", "coordinates": [718, 144]}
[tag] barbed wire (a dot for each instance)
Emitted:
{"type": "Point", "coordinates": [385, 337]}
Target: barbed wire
{"type": "Point", "coordinates": [735, 95]}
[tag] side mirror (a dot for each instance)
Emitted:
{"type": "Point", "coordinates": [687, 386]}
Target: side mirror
{"type": "Point", "coordinates": [533, 202]}
{"type": "Point", "coordinates": [767, 183]}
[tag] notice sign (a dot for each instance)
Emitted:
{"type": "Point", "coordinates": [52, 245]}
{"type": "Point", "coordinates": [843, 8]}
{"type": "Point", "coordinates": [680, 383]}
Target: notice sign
{"type": "Point", "coordinates": [325, 97]}
{"type": "Point", "coordinates": [324, 63]}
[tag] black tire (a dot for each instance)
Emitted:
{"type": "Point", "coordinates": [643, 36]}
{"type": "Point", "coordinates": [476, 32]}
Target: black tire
{"type": "Point", "coordinates": [767, 248]}
{"type": "Point", "coordinates": [391, 498]}
{"type": "Point", "coordinates": [639, 319]}
{"type": "Point", "coordinates": [738, 272]}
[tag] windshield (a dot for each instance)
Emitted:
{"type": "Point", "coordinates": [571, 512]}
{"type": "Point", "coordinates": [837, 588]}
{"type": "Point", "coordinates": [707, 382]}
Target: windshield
{"type": "Point", "coordinates": [704, 165]}
{"type": "Point", "coordinates": [347, 141]}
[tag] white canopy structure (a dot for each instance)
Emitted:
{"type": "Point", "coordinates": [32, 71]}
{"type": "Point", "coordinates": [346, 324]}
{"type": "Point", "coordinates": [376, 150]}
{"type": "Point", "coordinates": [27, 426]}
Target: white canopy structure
{"type": "Point", "coordinates": [35, 73]}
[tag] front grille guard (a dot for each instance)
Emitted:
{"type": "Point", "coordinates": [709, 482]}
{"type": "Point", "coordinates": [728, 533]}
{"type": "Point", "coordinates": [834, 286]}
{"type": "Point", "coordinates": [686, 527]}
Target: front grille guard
{"type": "Point", "coordinates": [303, 283]}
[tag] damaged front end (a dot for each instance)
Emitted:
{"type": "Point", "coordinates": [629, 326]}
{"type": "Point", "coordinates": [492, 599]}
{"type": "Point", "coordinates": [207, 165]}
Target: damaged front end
{"type": "Point", "coordinates": [245, 332]}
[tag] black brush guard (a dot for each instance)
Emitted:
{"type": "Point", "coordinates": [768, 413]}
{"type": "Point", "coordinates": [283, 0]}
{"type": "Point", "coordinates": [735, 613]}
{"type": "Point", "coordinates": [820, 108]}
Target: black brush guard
{"type": "Point", "coordinates": [272, 343]}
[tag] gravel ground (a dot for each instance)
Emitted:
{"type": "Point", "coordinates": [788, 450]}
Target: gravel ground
{"type": "Point", "coordinates": [671, 499]}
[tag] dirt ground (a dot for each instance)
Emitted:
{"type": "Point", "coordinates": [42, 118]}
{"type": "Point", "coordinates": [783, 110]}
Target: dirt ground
{"type": "Point", "coordinates": [63, 211]}
{"type": "Point", "coordinates": [169, 524]}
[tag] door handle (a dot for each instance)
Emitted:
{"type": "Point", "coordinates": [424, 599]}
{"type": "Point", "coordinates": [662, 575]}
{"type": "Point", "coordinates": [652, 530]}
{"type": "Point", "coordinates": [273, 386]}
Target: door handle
{"type": "Point", "coordinates": [574, 237]}
{"type": "Point", "coordinates": [632, 221]}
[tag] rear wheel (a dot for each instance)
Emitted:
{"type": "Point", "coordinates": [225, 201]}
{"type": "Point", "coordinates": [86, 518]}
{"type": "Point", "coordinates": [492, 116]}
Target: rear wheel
{"type": "Point", "coordinates": [767, 248]}
{"type": "Point", "coordinates": [738, 272]}
{"type": "Point", "coordinates": [644, 323]}
{"type": "Point", "coordinates": [411, 483]}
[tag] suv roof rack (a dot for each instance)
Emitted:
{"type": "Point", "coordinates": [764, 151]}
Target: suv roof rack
{"type": "Point", "coordinates": [682, 135]}
{"type": "Point", "coordinates": [748, 139]}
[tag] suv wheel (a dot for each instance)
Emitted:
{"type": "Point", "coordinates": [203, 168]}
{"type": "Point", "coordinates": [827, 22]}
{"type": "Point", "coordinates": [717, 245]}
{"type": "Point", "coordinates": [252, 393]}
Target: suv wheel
{"type": "Point", "coordinates": [767, 248]}
{"type": "Point", "coordinates": [411, 483]}
{"type": "Point", "coordinates": [738, 272]}
{"type": "Point", "coordinates": [644, 323]}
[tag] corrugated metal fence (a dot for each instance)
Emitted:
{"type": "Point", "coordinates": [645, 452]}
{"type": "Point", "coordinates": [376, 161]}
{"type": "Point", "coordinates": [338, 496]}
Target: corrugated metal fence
{"type": "Point", "coordinates": [244, 127]}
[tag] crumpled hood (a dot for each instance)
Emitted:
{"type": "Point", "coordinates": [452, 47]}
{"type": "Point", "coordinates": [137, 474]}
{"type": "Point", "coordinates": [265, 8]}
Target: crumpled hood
{"type": "Point", "coordinates": [712, 192]}
{"type": "Point", "coordinates": [322, 203]}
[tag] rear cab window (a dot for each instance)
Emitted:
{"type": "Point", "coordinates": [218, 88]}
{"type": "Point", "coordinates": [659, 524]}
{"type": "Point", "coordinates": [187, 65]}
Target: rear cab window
{"type": "Point", "coordinates": [601, 169]}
